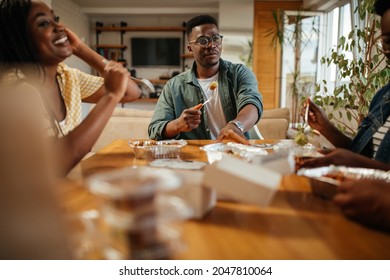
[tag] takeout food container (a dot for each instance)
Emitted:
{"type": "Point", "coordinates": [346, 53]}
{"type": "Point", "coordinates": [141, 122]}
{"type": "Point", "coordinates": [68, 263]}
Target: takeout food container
{"type": "Point", "coordinates": [324, 180]}
{"type": "Point", "coordinates": [131, 188]}
{"type": "Point", "coordinates": [241, 181]}
{"type": "Point", "coordinates": [157, 149]}
{"type": "Point", "coordinates": [136, 208]}
{"type": "Point", "coordinates": [216, 151]}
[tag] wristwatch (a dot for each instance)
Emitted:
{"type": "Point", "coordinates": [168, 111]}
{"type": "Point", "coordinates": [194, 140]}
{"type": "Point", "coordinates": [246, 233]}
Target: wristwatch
{"type": "Point", "coordinates": [239, 125]}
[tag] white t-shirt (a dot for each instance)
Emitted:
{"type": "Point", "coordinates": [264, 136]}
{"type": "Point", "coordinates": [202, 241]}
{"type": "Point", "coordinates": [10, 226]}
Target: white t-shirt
{"type": "Point", "coordinates": [216, 117]}
{"type": "Point", "coordinates": [379, 135]}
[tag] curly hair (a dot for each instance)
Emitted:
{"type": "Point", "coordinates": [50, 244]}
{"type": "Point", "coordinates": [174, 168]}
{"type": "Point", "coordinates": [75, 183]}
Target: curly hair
{"type": "Point", "coordinates": [16, 48]}
{"type": "Point", "coordinates": [381, 6]}
{"type": "Point", "coordinates": [200, 20]}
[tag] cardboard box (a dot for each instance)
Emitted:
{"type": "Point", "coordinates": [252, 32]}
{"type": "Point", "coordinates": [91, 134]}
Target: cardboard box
{"type": "Point", "coordinates": [242, 181]}
{"type": "Point", "coordinates": [201, 199]}
{"type": "Point", "coordinates": [282, 162]}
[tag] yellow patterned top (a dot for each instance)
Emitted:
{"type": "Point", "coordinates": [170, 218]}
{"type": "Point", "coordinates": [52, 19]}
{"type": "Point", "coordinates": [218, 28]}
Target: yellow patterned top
{"type": "Point", "coordinates": [75, 85]}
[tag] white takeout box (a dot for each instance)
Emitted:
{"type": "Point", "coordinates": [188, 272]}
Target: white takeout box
{"type": "Point", "coordinates": [201, 199]}
{"type": "Point", "coordinates": [282, 162]}
{"type": "Point", "coordinates": [242, 181]}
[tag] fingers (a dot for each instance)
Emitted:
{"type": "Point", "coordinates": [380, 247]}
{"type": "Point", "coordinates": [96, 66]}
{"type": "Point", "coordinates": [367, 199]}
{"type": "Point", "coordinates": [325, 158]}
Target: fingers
{"type": "Point", "coordinates": [325, 151]}
{"type": "Point", "coordinates": [190, 119]}
{"type": "Point", "coordinates": [316, 162]}
{"type": "Point", "coordinates": [115, 78]}
{"type": "Point", "coordinates": [198, 107]}
{"type": "Point", "coordinates": [230, 135]}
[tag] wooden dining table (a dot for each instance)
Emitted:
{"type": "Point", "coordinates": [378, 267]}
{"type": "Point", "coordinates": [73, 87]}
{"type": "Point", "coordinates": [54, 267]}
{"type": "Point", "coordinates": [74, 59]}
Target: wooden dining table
{"type": "Point", "coordinates": [296, 225]}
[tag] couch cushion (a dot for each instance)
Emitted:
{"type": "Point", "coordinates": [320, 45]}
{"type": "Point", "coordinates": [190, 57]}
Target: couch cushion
{"type": "Point", "coordinates": [124, 124]}
{"type": "Point", "coordinates": [273, 128]}
{"type": "Point", "coordinates": [127, 112]}
{"type": "Point", "coordinates": [280, 113]}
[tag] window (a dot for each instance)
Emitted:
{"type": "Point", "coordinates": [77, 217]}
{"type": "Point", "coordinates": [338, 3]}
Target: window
{"type": "Point", "coordinates": [340, 24]}
{"type": "Point", "coordinates": [299, 58]}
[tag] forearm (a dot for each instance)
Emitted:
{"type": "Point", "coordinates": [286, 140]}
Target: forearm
{"type": "Point", "coordinates": [171, 129]}
{"type": "Point", "coordinates": [248, 116]}
{"type": "Point", "coordinates": [98, 62]}
{"type": "Point", "coordinates": [79, 142]}
{"type": "Point", "coordinates": [366, 162]}
{"type": "Point", "coordinates": [335, 136]}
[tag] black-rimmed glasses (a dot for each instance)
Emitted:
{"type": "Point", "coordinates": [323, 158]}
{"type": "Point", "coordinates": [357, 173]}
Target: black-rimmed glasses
{"type": "Point", "coordinates": [204, 41]}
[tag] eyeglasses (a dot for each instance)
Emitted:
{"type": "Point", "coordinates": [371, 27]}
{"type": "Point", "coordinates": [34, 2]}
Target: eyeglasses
{"type": "Point", "coordinates": [204, 41]}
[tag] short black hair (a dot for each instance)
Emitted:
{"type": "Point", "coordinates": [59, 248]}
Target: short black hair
{"type": "Point", "coordinates": [200, 20]}
{"type": "Point", "coordinates": [381, 6]}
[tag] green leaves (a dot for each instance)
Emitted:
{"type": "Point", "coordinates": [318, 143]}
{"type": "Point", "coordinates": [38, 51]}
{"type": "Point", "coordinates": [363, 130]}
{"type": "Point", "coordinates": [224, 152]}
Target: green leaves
{"type": "Point", "coordinates": [359, 78]}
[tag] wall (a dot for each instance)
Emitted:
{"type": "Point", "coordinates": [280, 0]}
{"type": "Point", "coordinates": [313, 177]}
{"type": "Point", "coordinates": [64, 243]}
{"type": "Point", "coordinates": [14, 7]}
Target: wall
{"type": "Point", "coordinates": [139, 21]}
{"type": "Point", "coordinates": [235, 22]}
{"type": "Point", "coordinates": [266, 58]}
{"type": "Point", "coordinates": [76, 21]}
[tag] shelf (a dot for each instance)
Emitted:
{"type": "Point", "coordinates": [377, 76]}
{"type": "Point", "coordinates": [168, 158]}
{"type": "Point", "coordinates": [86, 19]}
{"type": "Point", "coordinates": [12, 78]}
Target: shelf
{"type": "Point", "coordinates": [129, 28]}
{"type": "Point", "coordinates": [108, 46]}
{"type": "Point", "coordinates": [159, 81]}
{"type": "Point", "coordinates": [108, 50]}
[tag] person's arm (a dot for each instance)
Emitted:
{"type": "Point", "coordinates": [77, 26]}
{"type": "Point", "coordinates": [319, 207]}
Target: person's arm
{"type": "Point", "coordinates": [248, 117]}
{"type": "Point", "coordinates": [188, 120]}
{"type": "Point", "coordinates": [367, 201]}
{"type": "Point", "coordinates": [97, 62]}
{"type": "Point", "coordinates": [79, 142]}
{"type": "Point", "coordinates": [319, 121]}
{"type": "Point", "coordinates": [344, 157]}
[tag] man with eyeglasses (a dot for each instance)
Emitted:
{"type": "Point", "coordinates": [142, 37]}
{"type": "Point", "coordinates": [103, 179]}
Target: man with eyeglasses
{"type": "Point", "coordinates": [235, 104]}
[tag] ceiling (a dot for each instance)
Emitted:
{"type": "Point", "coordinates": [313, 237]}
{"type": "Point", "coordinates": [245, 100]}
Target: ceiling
{"type": "Point", "coordinates": [149, 7]}
{"type": "Point", "coordinates": [148, 3]}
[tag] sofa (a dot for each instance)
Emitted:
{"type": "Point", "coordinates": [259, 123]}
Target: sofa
{"type": "Point", "coordinates": [127, 123]}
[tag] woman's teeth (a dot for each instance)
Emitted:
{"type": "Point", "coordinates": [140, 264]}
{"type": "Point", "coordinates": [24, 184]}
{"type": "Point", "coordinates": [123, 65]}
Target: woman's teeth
{"type": "Point", "coordinates": [61, 41]}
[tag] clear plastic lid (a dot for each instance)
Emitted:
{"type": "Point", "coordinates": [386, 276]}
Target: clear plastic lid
{"type": "Point", "coordinates": [133, 182]}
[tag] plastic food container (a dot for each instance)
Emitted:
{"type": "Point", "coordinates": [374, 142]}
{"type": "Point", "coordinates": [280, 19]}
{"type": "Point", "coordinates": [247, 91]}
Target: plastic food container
{"type": "Point", "coordinates": [157, 149]}
{"type": "Point", "coordinates": [137, 209]}
{"type": "Point", "coordinates": [215, 152]}
{"type": "Point", "coordinates": [324, 180]}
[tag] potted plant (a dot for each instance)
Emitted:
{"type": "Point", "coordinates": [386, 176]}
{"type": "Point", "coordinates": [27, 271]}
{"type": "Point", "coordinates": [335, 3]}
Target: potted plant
{"type": "Point", "coordinates": [295, 30]}
{"type": "Point", "coordinates": [364, 74]}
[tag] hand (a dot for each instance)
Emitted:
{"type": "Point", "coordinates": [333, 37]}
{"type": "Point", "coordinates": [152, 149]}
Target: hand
{"type": "Point", "coordinates": [227, 128]}
{"type": "Point", "coordinates": [189, 119]}
{"type": "Point", "coordinates": [317, 118]}
{"type": "Point", "coordinates": [116, 78]}
{"type": "Point", "coordinates": [74, 40]}
{"type": "Point", "coordinates": [228, 134]}
{"type": "Point", "coordinates": [336, 157]}
{"type": "Point", "coordinates": [367, 201]}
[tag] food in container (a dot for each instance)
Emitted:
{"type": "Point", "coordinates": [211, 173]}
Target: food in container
{"type": "Point", "coordinates": [324, 180]}
{"type": "Point", "coordinates": [300, 153]}
{"type": "Point", "coordinates": [157, 149]}
{"type": "Point", "coordinates": [136, 208]}
{"type": "Point", "coordinates": [215, 152]}
{"type": "Point", "coordinates": [230, 136]}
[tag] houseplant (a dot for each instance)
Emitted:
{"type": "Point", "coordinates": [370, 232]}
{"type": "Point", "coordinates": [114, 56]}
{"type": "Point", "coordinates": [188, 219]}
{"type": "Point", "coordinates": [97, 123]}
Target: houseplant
{"type": "Point", "coordinates": [295, 31]}
{"type": "Point", "coordinates": [364, 74]}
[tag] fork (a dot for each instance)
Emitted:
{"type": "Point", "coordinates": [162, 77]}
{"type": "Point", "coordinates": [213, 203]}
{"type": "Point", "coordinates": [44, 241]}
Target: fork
{"type": "Point", "coordinates": [306, 117]}
{"type": "Point", "coordinates": [206, 101]}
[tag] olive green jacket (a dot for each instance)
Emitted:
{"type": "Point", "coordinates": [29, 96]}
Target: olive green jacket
{"type": "Point", "coordinates": [237, 88]}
